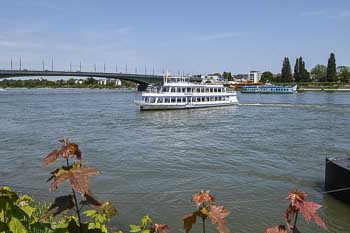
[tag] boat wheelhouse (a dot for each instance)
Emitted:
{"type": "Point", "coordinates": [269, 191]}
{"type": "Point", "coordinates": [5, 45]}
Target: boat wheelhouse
{"type": "Point", "coordinates": [179, 93]}
{"type": "Point", "coordinates": [269, 89]}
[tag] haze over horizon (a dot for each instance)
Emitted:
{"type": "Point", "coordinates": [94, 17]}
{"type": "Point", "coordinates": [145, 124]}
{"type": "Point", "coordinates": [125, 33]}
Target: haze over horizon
{"type": "Point", "coordinates": [182, 36]}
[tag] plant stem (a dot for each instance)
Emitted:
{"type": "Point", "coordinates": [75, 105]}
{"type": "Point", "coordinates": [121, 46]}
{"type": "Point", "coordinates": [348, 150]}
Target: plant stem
{"type": "Point", "coordinates": [203, 224]}
{"type": "Point", "coordinates": [76, 204]}
{"type": "Point", "coordinates": [295, 221]}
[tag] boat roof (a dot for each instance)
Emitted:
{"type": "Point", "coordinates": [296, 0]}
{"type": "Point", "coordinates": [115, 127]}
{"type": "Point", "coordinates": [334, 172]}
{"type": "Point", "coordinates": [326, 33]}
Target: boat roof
{"type": "Point", "coordinates": [187, 84]}
{"type": "Point", "coordinates": [266, 86]}
{"type": "Point", "coordinates": [342, 162]}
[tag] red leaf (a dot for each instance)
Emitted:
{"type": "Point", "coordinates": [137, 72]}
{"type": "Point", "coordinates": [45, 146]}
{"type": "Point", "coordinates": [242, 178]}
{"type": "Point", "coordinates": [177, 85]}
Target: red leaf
{"type": "Point", "coordinates": [77, 175]}
{"type": "Point", "coordinates": [67, 150]}
{"type": "Point", "coordinates": [189, 220]}
{"type": "Point", "coordinates": [202, 197]}
{"type": "Point", "coordinates": [296, 196]}
{"type": "Point", "coordinates": [276, 229]}
{"type": "Point", "coordinates": [309, 211]}
{"type": "Point", "coordinates": [217, 215]}
{"type": "Point", "coordinates": [162, 228]}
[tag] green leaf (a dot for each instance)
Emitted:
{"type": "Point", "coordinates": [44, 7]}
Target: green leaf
{"type": "Point", "coordinates": [146, 231]}
{"type": "Point", "coordinates": [94, 225]}
{"type": "Point", "coordinates": [39, 227]}
{"type": "Point", "coordinates": [134, 228]}
{"type": "Point", "coordinates": [28, 210]}
{"type": "Point", "coordinates": [90, 213]}
{"type": "Point", "coordinates": [16, 226]}
{"type": "Point", "coordinates": [104, 228]}
{"type": "Point", "coordinates": [3, 227]}
{"type": "Point", "coordinates": [18, 213]}
{"type": "Point", "coordinates": [145, 221]}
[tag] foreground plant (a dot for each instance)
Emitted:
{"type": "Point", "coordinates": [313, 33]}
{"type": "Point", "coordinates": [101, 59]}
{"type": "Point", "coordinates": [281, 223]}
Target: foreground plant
{"type": "Point", "coordinates": [298, 204]}
{"type": "Point", "coordinates": [147, 226]}
{"type": "Point", "coordinates": [206, 209]}
{"type": "Point", "coordinates": [307, 208]}
{"type": "Point", "coordinates": [17, 213]}
{"type": "Point", "coordinates": [276, 229]}
{"type": "Point", "coordinates": [77, 174]}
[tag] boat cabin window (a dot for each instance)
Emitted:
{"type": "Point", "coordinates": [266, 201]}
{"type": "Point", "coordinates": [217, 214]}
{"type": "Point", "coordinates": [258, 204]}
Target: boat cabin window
{"type": "Point", "coordinates": [160, 100]}
{"type": "Point", "coordinates": [167, 100]}
{"type": "Point", "coordinates": [173, 100]}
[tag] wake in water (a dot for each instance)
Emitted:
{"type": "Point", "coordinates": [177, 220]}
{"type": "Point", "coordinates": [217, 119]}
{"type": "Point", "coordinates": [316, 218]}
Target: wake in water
{"type": "Point", "coordinates": [281, 105]}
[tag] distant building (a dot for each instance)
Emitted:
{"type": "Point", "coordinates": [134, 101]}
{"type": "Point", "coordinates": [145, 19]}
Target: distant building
{"type": "Point", "coordinates": [117, 82]}
{"type": "Point", "coordinates": [214, 77]}
{"type": "Point", "coordinates": [254, 76]}
{"type": "Point", "coordinates": [240, 78]}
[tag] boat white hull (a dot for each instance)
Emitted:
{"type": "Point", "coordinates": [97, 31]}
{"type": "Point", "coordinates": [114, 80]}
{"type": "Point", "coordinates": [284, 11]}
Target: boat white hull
{"type": "Point", "coordinates": [148, 106]}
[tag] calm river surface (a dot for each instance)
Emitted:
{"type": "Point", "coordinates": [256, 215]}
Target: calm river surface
{"type": "Point", "coordinates": [249, 156]}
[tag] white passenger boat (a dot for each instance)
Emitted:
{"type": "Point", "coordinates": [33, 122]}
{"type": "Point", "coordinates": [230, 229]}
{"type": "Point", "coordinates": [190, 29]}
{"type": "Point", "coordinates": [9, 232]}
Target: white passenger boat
{"type": "Point", "coordinates": [179, 93]}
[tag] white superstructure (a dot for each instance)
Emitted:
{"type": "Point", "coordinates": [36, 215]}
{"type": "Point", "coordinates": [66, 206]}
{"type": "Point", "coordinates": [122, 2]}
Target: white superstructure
{"type": "Point", "coordinates": [179, 93]}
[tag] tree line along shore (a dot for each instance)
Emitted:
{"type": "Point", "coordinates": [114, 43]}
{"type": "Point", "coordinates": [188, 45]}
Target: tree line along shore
{"type": "Point", "coordinates": [61, 83]}
{"type": "Point", "coordinates": [320, 76]}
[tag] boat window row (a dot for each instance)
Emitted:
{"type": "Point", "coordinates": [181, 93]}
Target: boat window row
{"type": "Point", "coordinates": [183, 99]}
{"type": "Point", "coordinates": [267, 89]}
{"type": "Point", "coordinates": [194, 89]}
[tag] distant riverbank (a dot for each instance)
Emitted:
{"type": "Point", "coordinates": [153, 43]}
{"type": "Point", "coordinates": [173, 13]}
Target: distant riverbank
{"type": "Point", "coordinates": [322, 89]}
{"type": "Point", "coordinates": [39, 88]}
{"type": "Point", "coordinates": [329, 87]}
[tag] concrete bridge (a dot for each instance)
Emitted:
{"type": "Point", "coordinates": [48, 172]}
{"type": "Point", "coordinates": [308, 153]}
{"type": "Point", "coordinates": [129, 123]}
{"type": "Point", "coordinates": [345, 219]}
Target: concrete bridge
{"type": "Point", "coordinates": [141, 79]}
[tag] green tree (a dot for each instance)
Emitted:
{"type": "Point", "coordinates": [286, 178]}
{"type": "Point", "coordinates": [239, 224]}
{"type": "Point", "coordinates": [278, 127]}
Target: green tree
{"type": "Point", "coordinates": [343, 74]}
{"type": "Point", "coordinates": [267, 76]}
{"type": "Point", "coordinates": [297, 70]}
{"type": "Point", "coordinates": [227, 76]}
{"type": "Point", "coordinates": [300, 73]}
{"type": "Point", "coordinates": [319, 73]}
{"type": "Point", "coordinates": [286, 71]}
{"type": "Point", "coordinates": [331, 69]}
{"type": "Point", "coordinates": [91, 81]}
{"type": "Point", "coordinates": [71, 82]}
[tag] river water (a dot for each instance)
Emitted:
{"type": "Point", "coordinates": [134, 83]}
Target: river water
{"type": "Point", "coordinates": [249, 156]}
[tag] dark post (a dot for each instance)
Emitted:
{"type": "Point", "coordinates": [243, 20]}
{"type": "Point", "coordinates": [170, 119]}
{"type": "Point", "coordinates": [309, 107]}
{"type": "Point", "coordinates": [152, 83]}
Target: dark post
{"type": "Point", "coordinates": [43, 65]}
{"type": "Point", "coordinates": [11, 63]}
{"type": "Point", "coordinates": [104, 67]}
{"type": "Point", "coordinates": [116, 68]}
{"type": "Point", "coordinates": [20, 63]}
{"type": "Point", "coordinates": [95, 67]}
{"type": "Point", "coordinates": [80, 66]}
{"type": "Point", "coordinates": [70, 66]}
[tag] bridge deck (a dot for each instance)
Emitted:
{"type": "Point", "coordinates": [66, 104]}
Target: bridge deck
{"type": "Point", "coordinates": [137, 78]}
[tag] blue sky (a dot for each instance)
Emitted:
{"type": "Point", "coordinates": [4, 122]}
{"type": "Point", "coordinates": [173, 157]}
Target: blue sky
{"type": "Point", "coordinates": [190, 36]}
